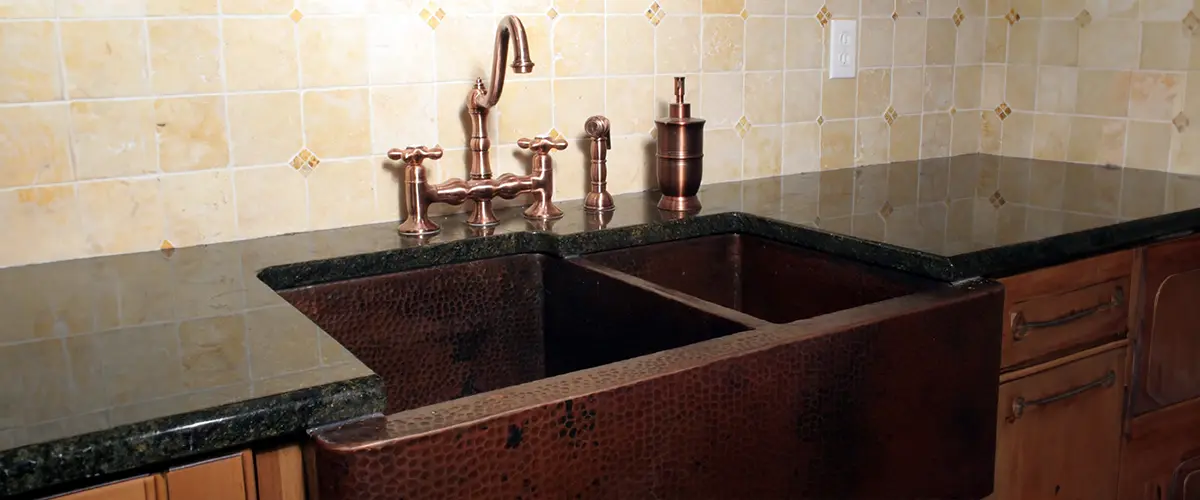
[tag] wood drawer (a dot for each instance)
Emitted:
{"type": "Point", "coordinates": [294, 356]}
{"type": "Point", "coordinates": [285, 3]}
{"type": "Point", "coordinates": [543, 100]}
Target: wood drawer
{"type": "Point", "coordinates": [141, 488]}
{"type": "Point", "coordinates": [227, 478]}
{"type": "Point", "coordinates": [1051, 312]}
{"type": "Point", "coordinates": [1058, 428]}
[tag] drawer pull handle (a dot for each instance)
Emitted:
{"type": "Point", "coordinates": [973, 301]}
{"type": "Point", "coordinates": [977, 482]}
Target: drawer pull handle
{"type": "Point", "coordinates": [1022, 328]}
{"type": "Point", "coordinates": [1019, 404]}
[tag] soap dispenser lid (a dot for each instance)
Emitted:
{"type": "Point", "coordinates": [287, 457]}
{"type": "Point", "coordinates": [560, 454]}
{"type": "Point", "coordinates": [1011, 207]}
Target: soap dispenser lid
{"type": "Point", "coordinates": [680, 111]}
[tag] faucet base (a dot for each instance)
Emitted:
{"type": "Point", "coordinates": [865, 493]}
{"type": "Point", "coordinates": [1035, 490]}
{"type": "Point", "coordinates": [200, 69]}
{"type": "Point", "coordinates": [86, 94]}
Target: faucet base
{"type": "Point", "coordinates": [543, 211]}
{"type": "Point", "coordinates": [414, 226]}
{"type": "Point", "coordinates": [482, 215]}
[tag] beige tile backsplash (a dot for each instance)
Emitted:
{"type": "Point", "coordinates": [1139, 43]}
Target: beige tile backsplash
{"type": "Point", "coordinates": [1094, 81]}
{"type": "Point", "coordinates": [138, 124]}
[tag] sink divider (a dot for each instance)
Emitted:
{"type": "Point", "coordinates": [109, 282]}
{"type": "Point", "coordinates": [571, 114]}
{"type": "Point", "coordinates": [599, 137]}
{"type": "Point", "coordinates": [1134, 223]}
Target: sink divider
{"type": "Point", "coordinates": [672, 294]}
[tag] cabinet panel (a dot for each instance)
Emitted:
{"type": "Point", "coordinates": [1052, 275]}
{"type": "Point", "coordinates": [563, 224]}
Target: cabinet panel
{"type": "Point", "coordinates": [229, 478]}
{"type": "Point", "coordinates": [1161, 455]}
{"type": "Point", "coordinates": [142, 488]}
{"type": "Point", "coordinates": [1185, 484]}
{"type": "Point", "coordinates": [1053, 311]}
{"type": "Point", "coordinates": [1166, 371]}
{"type": "Point", "coordinates": [280, 473]}
{"type": "Point", "coordinates": [1172, 371]}
{"type": "Point", "coordinates": [1059, 430]}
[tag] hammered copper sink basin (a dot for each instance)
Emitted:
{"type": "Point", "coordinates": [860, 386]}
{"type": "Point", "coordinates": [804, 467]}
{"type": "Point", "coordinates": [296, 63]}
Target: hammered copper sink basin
{"type": "Point", "coordinates": [775, 282]}
{"type": "Point", "coordinates": [719, 367]}
{"type": "Point", "coordinates": [446, 332]}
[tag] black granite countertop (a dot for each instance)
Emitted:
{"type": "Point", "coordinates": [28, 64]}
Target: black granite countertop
{"type": "Point", "coordinates": [111, 364]}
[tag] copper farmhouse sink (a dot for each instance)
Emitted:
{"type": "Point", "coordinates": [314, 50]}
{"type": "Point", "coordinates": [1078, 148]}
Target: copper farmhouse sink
{"type": "Point", "coordinates": [720, 367]}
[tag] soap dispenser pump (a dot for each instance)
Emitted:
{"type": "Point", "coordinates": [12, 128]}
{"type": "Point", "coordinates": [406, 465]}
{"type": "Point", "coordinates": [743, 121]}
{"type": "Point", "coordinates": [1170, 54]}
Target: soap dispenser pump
{"type": "Point", "coordinates": [680, 163]}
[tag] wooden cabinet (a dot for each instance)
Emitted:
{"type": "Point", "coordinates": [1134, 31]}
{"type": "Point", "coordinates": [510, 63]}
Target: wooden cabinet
{"type": "Point", "coordinates": [1167, 370]}
{"type": "Point", "coordinates": [1161, 457]}
{"type": "Point", "coordinates": [274, 474]}
{"type": "Point", "coordinates": [140, 488]}
{"type": "Point", "coordinates": [229, 478]}
{"type": "Point", "coordinates": [1059, 427]}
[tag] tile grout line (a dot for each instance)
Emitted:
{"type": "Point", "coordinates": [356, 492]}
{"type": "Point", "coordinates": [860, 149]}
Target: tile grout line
{"type": "Point", "coordinates": [331, 88]}
{"type": "Point", "coordinates": [303, 92]}
{"type": "Point", "coordinates": [72, 157]}
{"type": "Point", "coordinates": [223, 69]}
{"type": "Point", "coordinates": [783, 94]}
{"type": "Point", "coordinates": [742, 112]}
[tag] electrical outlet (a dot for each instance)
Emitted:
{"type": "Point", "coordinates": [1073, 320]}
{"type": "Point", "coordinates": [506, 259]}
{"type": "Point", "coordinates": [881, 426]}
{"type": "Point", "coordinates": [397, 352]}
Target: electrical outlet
{"type": "Point", "coordinates": [843, 48]}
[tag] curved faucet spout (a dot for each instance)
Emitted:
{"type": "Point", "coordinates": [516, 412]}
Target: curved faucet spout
{"type": "Point", "coordinates": [510, 28]}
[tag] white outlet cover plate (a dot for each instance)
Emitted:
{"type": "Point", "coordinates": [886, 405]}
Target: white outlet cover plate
{"type": "Point", "coordinates": [843, 48]}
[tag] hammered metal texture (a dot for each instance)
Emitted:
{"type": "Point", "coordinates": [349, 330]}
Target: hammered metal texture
{"type": "Point", "coordinates": [761, 278]}
{"type": "Point", "coordinates": [446, 332]}
{"type": "Point", "coordinates": [903, 408]}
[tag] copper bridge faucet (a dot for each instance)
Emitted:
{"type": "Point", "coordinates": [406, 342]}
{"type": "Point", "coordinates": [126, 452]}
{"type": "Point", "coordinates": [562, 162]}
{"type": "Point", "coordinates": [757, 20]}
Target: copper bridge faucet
{"type": "Point", "coordinates": [480, 187]}
{"type": "Point", "coordinates": [419, 193]}
{"type": "Point", "coordinates": [482, 99]}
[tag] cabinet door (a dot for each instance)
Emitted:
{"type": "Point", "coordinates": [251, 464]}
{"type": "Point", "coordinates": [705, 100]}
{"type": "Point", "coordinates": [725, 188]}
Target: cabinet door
{"type": "Point", "coordinates": [1059, 430]}
{"type": "Point", "coordinates": [1161, 457]}
{"type": "Point", "coordinates": [142, 488]}
{"type": "Point", "coordinates": [1166, 371]}
{"type": "Point", "coordinates": [227, 478]}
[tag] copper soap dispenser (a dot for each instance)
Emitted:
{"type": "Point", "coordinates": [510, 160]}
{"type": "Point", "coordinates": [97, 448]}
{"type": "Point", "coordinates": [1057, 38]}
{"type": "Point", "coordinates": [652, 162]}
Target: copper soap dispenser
{"type": "Point", "coordinates": [680, 155]}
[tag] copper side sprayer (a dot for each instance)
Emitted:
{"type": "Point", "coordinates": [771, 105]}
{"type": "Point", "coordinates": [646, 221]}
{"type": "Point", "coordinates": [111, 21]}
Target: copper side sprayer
{"type": "Point", "coordinates": [598, 199]}
{"type": "Point", "coordinates": [680, 155]}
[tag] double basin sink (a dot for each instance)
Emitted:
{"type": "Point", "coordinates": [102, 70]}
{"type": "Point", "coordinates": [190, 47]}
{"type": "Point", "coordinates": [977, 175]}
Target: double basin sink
{"type": "Point", "coordinates": [715, 367]}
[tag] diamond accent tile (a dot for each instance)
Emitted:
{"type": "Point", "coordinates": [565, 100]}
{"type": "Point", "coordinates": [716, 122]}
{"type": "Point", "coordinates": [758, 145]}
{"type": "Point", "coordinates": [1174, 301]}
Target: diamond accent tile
{"type": "Point", "coordinates": [305, 161]}
{"type": "Point", "coordinates": [886, 210]}
{"type": "Point", "coordinates": [552, 13]}
{"type": "Point", "coordinates": [1191, 22]}
{"type": "Point", "coordinates": [1003, 111]}
{"type": "Point", "coordinates": [895, 15]}
{"type": "Point", "coordinates": [953, 110]}
{"type": "Point", "coordinates": [554, 134]}
{"type": "Point", "coordinates": [958, 16]}
{"type": "Point", "coordinates": [742, 127]}
{"type": "Point", "coordinates": [167, 248]}
{"type": "Point", "coordinates": [890, 115]}
{"type": "Point", "coordinates": [1012, 16]}
{"type": "Point", "coordinates": [1181, 122]}
{"type": "Point", "coordinates": [432, 15]}
{"type": "Point", "coordinates": [744, 14]}
{"type": "Point", "coordinates": [997, 200]}
{"type": "Point", "coordinates": [296, 15]}
{"type": "Point", "coordinates": [655, 13]}
{"type": "Point", "coordinates": [824, 15]}
{"type": "Point", "coordinates": [1084, 18]}
{"type": "Point", "coordinates": [820, 120]}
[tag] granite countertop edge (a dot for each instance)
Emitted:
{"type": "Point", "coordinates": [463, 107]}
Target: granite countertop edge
{"type": "Point", "coordinates": [128, 448]}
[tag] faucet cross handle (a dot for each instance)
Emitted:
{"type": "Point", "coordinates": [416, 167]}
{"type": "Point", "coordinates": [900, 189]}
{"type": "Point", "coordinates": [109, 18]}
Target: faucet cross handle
{"type": "Point", "coordinates": [542, 145]}
{"type": "Point", "coordinates": [415, 155]}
